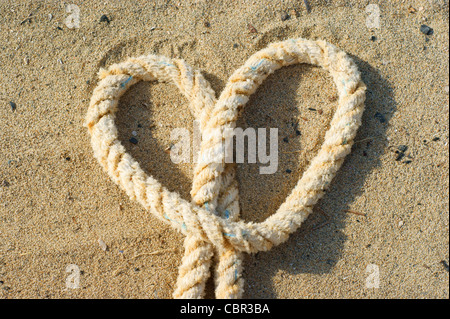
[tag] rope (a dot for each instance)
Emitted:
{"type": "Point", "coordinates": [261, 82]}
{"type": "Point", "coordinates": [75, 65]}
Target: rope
{"type": "Point", "coordinates": [210, 220]}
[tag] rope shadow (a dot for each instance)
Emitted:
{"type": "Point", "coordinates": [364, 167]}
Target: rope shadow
{"type": "Point", "coordinates": [135, 115]}
{"type": "Point", "coordinates": [317, 246]}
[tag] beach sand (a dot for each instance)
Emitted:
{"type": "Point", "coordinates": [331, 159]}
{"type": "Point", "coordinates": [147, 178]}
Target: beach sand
{"type": "Point", "coordinates": [385, 216]}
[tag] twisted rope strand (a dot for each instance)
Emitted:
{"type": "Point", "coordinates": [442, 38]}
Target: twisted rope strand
{"type": "Point", "coordinates": [211, 220]}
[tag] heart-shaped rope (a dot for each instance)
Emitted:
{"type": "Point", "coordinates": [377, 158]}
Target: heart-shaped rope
{"type": "Point", "coordinates": [211, 220]}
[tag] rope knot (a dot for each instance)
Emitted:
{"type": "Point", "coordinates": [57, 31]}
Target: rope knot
{"type": "Point", "coordinates": [211, 220]}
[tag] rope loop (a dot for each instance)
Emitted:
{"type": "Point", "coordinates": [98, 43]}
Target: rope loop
{"type": "Point", "coordinates": [210, 220]}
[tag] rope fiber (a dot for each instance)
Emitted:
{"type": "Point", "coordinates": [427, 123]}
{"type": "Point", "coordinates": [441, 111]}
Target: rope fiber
{"type": "Point", "coordinates": [210, 221]}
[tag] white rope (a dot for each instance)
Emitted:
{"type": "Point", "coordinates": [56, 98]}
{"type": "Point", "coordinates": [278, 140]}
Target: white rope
{"type": "Point", "coordinates": [211, 220]}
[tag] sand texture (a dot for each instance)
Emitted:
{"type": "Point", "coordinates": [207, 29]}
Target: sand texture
{"type": "Point", "coordinates": [386, 210]}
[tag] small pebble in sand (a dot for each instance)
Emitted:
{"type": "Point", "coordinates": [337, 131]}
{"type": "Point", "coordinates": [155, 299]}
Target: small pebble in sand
{"type": "Point", "coordinates": [133, 140]}
{"type": "Point", "coordinates": [307, 7]}
{"type": "Point", "coordinates": [251, 28]}
{"type": "Point", "coordinates": [235, 46]}
{"type": "Point", "coordinates": [169, 148]}
{"type": "Point", "coordinates": [286, 140]}
{"type": "Point", "coordinates": [104, 18]}
{"type": "Point", "coordinates": [426, 29]}
{"type": "Point", "coordinates": [13, 105]}
{"type": "Point", "coordinates": [102, 244]}
{"type": "Point", "coordinates": [288, 171]}
{"type": "Point", "coordinates": [400, 223]}
{"type": "Point", "coordinates": [134, 133]}
{"type": "Point", "coordinates": [402, 148]}
{"type": "Point", "coordinates": [285, 16]}
{"type": "Point", "coordinates": [400, 156]}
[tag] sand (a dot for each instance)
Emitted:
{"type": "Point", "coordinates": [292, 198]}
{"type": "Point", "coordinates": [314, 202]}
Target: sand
{"type": "Point", "coordinates": [381, 215]}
